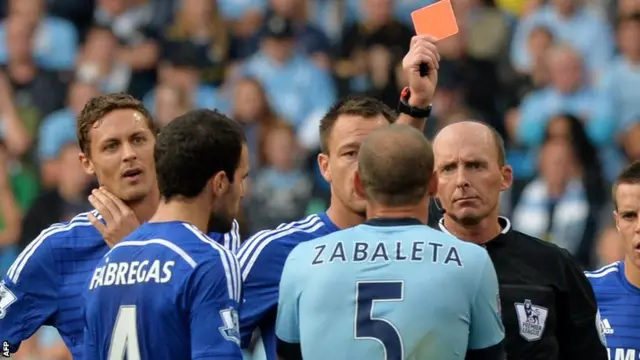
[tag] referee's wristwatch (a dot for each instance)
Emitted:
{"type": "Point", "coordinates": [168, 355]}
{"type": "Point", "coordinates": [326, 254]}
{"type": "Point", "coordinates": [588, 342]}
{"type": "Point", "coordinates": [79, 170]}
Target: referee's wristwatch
{"type": "Point", "coordinates": [405, 108]}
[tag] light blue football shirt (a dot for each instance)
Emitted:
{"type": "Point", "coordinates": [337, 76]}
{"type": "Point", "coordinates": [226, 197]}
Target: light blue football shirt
{"type": "Point", "coordinates": [389, 289]}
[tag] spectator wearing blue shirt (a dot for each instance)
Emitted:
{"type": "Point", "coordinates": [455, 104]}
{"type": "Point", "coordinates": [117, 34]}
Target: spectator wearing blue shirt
{"type": "Point", "coordinates": [180, 67]}
{"type": "Point", "coordinates": [309, 38]}
{"type": "Point", "coordinates": [572, 23]}
{"type": "Point", "coordinates": [59, 128]}
{"type": "Point", "coordinates": [297, 89]}
{"type": "Point", "coordinates": [622, 78]}
{"type": "Point", "coordinates": [55, 43]}
{"type": "Point", "coordinates": [98, 62]}
{"type": "Point", "coordinates": [567, 93]}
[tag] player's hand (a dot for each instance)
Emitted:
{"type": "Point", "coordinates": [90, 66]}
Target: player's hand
{"type": "Point", "coordinates": [120, 219]}
{"type": "Point", "coordinates": [423, 50]}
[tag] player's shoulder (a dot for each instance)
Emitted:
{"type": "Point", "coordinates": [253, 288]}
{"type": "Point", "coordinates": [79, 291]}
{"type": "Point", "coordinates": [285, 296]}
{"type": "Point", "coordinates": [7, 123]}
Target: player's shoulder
{"type": "Point", "coordinates": [283, 238]}
{"type": "Point", "coordinates": [537, 246]}
{"type": "Point", "coordinates": [77, 228]}
{"type": "Point", "coordinates": [39, 251]}
{"type": "Point", "coordinates": [604, 276]}
{"type": "Point", "coordinates": [196, 245]}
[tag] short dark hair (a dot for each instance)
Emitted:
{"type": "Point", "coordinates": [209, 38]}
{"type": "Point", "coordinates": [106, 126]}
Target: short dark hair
{"type": "Point", "coordinates": [363, 106]}
{"type": "Point", "coordinates": [193, 148]}
{"type": "Point", "coordinates": [98, 107]}
{"type": "Point", "coordinates": [629, 176]}
{"type": "Point", "coordinates": [395, 165]}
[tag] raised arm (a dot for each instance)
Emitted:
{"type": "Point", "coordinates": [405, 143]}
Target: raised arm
{"type": "Point", "coordinates": [421, 88]}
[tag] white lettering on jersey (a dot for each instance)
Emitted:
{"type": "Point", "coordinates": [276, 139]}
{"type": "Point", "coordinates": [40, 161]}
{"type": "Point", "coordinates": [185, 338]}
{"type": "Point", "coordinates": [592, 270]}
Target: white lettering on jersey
{"type": "Point", "coordinates": [135, 272]}
{"type": "Point", "coordinates": [381, 251]}
{"type": "Point", "coordinates": [6, 299]}
{"type": "Point", "coordinates": [622, 354]}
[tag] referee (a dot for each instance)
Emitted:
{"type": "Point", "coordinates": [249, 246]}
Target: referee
{"type": "Point", "coordinates": [548, 306]}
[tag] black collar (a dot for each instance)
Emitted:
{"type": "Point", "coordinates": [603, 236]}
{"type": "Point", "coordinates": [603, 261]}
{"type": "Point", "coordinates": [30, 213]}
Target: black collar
{"type": "Point", "coordinates": [393, 221]}
{"type": "Point", "coordinates": [505, 224]}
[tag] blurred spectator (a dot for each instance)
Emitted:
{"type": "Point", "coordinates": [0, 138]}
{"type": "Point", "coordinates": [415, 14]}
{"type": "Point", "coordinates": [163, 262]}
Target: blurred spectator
{"type": "Point", "coordinates": [310, 40]}
{"type": "Point", "coordinates": [539, 42]}
{"type": "Point", "coordinates": [449, 103]}
{"type": "Point", "coordinates": [281, 190]}
{"type": "Point", "coordinates": [245, 18]}
{"type": "Point", "coordinates": [131, 21]}
{"type": "Point", "coordinates": [555, 205]}
{"type": "Point", "coordinates": [61, 203]}
{"type": "Point", "coordinates": [10, 215]}
{"type": "Point", "coordinates": [54, 42]}
{"type": "Point", "coordinates": [571, 22]}
{"type": "Point", "coordinates": [181, 66]}
{"type": "Point", "coordinates": [609, 247]}
{"type": "Point", "coordinates": [627, 7]}
{"type": "Point", "coordinates": [622, 78]}
{"type": "Point", "coordinates": [297, 89]}
{"type": "Point", "coordinates": [569, 128]}
{"type": "Point", "coordinates": [251, 109]}
{"type": "Point", "coordinates": [171, 102]}
{"type": "Point", "coordinates": [97, 62]}
{"type": "Point", "coordinates": [13, 131]}
{"type": "Point", "coordinates": [59, 128]}
{"type": "Point", "coordinates": [631, 141]}
{"type": "Point", "coordinates": [371, 50]}
{"type": "Point", "coordinates": [199, 22]}
{"type": "Point", "coordinates": [567, 93]}
{"type": "Point", "coordinates": [36, 92]}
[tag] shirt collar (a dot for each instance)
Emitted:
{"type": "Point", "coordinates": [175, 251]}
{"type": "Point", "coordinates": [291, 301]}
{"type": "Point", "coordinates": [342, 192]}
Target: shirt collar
{"type": "Point", "coordinates": [505, 224]}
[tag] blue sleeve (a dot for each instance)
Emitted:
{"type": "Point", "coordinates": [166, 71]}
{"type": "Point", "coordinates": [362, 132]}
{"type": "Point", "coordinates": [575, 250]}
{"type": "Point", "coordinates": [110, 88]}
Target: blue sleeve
{"type": "Point", "coordinates": [486, 320]}
{"type": "Point", "coordinates": [287, 322]}
{"type": "Point", "coordinates": [261, 261]}
{"type": "Point", "coordinates": [29, 292]}
{"type": "Point", "coordinates": [213, 293]}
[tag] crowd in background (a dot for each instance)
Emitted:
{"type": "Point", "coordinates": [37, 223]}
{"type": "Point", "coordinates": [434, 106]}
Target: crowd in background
{"type": "Point", "coordinates": [560, 79]}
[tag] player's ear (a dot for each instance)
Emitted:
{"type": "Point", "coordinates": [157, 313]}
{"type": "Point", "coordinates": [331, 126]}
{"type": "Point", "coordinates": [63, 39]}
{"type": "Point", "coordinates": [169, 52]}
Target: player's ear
{"type": "Point", "coordinates": [507, 178]}
{"type": "Point", "coordinates": [357, 185]}
{"type": "Point", "coordinates": [432, 188]}
{"type": "Point", "coordinates": [323, 164]}
{"type": "Point", "coordinates": [219, 184]}
{"type": "Point", "coordinates": [616, 217]}
{"type": "Point", "coordinates": [86, 164]}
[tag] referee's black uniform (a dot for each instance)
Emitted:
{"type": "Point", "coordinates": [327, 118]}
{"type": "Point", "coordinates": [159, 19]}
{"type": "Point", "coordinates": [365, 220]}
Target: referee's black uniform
{"type": "Point", "coordinates": [548, 306]}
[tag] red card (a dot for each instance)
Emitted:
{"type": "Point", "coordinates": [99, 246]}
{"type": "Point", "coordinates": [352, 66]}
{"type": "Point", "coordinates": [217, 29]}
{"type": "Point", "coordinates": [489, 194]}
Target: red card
{"type": "Point", "coordinates": [437, 20]}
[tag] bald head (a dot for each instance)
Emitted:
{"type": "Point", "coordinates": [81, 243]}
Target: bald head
{"type": "Point", "coordinates": [472, 133]}
{"type": "Point", "coordinates": [395, 165]}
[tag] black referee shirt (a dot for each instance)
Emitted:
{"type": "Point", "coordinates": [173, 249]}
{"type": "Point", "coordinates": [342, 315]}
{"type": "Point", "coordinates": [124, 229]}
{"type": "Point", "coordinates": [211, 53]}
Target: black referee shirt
{"type": "Point", "coordinates": [548, 306]}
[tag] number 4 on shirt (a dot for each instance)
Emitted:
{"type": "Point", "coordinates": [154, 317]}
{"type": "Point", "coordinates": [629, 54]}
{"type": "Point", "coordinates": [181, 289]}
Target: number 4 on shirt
{"type": "Point", "coordinates": [124, 339]}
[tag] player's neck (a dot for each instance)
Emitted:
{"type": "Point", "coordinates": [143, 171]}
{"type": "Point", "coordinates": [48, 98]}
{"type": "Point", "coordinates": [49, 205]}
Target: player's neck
{"type": "Point", "coordinates": [485, 231]}
{"type": "Point", "coordinates": [145, 208]}
{"type": "Point", "coordinates": [342, 217]}
{"type": "Point", "coordinates": [190, 212]}
{"type": "Point", "coordinates": [420, 212]}
{"type": "Point", "coordinates": [632, 273]}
